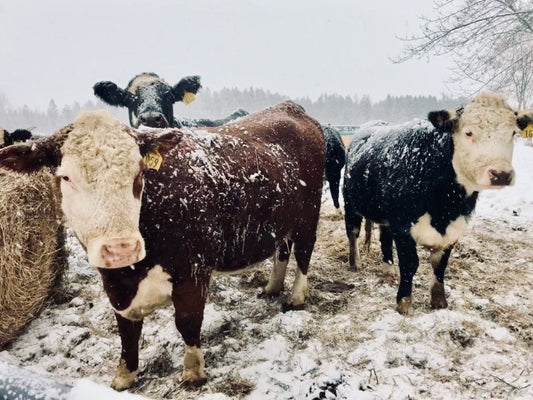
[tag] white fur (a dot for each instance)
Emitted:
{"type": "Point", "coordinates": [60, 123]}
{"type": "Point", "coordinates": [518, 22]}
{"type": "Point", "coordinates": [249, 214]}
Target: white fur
{"type": "Point", "coordinates": [101, 160]}
{"type": "Point", "coordinates": [193, 364]}
{"type": "Point", "coordinates": [154, 291]}
{"type": "Point", "coordinates": [492, 123]}
{"type": "Point", "coordinates": [426, 235]}
{"type": "Point", "coordinates": [123, 377]}
{"type": "Point", "coordinates": [277, 276]}
{"type": "Point", "coordinates": [141, 81]}
{"type": "Point", "coordinates": [299, 289]}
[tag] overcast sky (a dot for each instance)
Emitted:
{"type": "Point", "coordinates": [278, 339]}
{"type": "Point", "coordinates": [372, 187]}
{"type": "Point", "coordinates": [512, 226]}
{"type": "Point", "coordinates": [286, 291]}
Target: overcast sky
{"type": "Point", "coordinates": [57, 49]}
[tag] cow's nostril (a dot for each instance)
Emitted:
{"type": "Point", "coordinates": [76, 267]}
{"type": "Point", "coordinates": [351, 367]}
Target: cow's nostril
{"type": "Point", "coordinates": [500, 178]}
{"type": "Point", "coordinates": [121, 253]}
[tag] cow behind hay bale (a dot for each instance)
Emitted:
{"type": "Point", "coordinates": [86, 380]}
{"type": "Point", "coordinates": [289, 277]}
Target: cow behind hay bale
{"type": "Point", "coordinates": [32, 257]}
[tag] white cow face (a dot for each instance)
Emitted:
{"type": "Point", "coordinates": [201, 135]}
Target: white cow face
{"type": "Point", "coordinates": [100, 172]}
{"type": "Point", "coordinates": [483, 139]}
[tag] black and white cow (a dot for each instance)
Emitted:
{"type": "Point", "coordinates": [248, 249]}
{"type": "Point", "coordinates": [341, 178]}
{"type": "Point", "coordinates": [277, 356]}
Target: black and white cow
{"type": "Point", "coordinates": [17, 136]}
{"type": "Point", "coordinates": [159, 210]}
{"type": "Point", "coordinates": [420, 182]}
{"type": "Point", "coordinates": [335, 159]}
{"type": "Point", "coordinates": [150, 101]}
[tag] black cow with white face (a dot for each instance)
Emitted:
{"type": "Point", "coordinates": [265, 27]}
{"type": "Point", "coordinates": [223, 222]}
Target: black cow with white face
{"type": "Point", "coordinates": [420, 181]}
{"type": "Point", "coordinates": [149, 100]}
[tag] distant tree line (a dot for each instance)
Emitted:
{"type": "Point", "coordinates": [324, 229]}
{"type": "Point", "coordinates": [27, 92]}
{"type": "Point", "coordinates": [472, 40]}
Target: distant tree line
{"type": "Point", "coordinates": [327, 109]}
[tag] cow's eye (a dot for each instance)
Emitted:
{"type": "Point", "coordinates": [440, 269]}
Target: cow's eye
{"type": "Point", "coordinates": [66, 179]}
{"type": "Point", "coordinates": [469, 134]}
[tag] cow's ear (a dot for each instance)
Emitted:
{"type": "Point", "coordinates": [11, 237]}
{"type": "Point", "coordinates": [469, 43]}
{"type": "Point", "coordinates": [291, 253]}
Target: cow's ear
{"type": "Point", "coordinates": [30, 157]}
{"type": "Point", "coordinates": [189, 84]}
{"type": "Point", "coordinates": [150, 142]}
{"type": "Point", "coordinates": [442, 120]}
{"type": "Point", "coordinates": [111, 94]}
{"type": "Point", "coordinates": [524, 118]}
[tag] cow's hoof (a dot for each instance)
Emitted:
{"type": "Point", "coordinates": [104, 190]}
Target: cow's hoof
{"type": "Point", "coordinates": [389, 268]}
{"type": "Point", "coordinates": [194, 383]}
{"type": "Point", "coordinates": [123, 377]}
{"type": "Point", "coordinates": [264, 294]}
{"type": "Point", "coordinates": [438, 298]}
{"type": "Point", "coordinates": [291, 307]}
{"type": "Point", "coordinates": [404, 306]}
{"type": "Point", "coordinates": [353, 267]}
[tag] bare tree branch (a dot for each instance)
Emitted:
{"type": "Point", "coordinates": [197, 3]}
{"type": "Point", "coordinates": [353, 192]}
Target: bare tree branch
{"type": "Point", "coordinates": [489, 41]}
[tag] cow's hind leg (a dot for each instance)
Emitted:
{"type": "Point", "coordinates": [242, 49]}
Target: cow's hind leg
{"type": "Point", "coordinates": [439, 261]}
{"type": "Point", "coordinates": [279, 269]}
{"type": "Point", "coordinates": [130, 332]}
{"type": "Point", "coordinates": [368, 235]}
{"type": "Point", "coordinates": [189, 301]}
{"type": "Point", "coordinates": [408, 261]}
{"type": "Point", "coordinates": [353, 227]}
{"type": "Point", "coordinates": [304, 241]}
{"type": "Point", "coordinates": [333, 175]}
{"type": "Point", "coordinates": [385, 238]}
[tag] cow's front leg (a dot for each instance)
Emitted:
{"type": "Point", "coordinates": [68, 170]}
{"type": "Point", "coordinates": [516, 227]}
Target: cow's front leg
{"type": "Point", "coordinates": [408, 262]}
{"type": "Point", "coordinates": [130, 332]}
{"type": "Point", "coordinates": [439, 261]}
{"type": "Point", "coordinates": [189, 300]}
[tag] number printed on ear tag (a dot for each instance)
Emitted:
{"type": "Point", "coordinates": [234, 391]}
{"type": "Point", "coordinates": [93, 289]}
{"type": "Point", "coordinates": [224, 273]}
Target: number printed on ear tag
{"type": "Point", "coordinates": [153, 160]}
{"type": "Point", "coordinates": [527, 132]}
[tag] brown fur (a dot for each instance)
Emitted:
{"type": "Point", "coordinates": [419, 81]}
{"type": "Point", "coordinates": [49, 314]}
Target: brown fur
{"type": "Point", "coordinates": [223, 199]}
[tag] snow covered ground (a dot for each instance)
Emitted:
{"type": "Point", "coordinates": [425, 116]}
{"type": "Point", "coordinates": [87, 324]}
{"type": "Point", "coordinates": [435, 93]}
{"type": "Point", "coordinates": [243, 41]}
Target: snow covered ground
{"type": "Point", "coordinates": [349, 343]}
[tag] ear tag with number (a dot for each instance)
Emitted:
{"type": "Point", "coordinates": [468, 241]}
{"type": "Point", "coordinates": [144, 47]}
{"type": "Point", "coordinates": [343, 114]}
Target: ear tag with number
{"type": "Point", "coordinates": [153, 160]}
{"type": "Point", "coordinates": [188, 98]}
{"type": "Point", "coordinates": [527, 132]}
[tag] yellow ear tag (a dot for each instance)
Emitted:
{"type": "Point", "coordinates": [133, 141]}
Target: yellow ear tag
{"type": "Point", "coordinates": [153, 160]}
{"type": "Point", "coordinates": [527, 132]}
{"type": "Point", "coordinates": [188, 98]}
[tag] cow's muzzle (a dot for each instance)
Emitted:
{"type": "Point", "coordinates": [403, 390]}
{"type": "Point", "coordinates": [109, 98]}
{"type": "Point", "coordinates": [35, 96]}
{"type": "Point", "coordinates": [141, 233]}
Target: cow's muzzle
{"type": "Point", "coordinates": [119, 253]}
{"type": "Point", "coordinates": [501, 178]}
{"type": "Point", "coordinates": [153, 120]}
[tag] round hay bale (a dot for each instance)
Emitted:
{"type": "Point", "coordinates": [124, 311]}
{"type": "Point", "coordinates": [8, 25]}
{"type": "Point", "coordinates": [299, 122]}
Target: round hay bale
{"type": "Point", "coordinates": [32, 255]}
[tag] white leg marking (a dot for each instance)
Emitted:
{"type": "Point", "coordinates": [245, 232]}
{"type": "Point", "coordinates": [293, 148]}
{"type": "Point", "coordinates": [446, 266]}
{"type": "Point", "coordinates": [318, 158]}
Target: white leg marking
{"type": "Point", "coordinates": [193, 365]}
{"type": "Point", "coordinates": [357, 255]}
{"type": "Point", "coordinates": [277, 276]}
{"type": "Point", "coordinates": [123, 377]}
{"type": "Point", "coordinates": [299, 289]}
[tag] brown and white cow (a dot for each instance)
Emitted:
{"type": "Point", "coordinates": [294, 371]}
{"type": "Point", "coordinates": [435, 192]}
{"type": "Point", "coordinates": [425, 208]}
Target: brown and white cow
{"type": "Point", "coordinates": [159, 210]}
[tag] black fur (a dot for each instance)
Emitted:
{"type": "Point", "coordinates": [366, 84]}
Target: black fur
{"type": "Point", "coordinates": [192, 123]}
{"type": "Point", "coordinates": [152, 105]}
{"type": "Point", "coordinates": [18, 135]}
{"type": "Point", "coordinates": [335, 159]}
